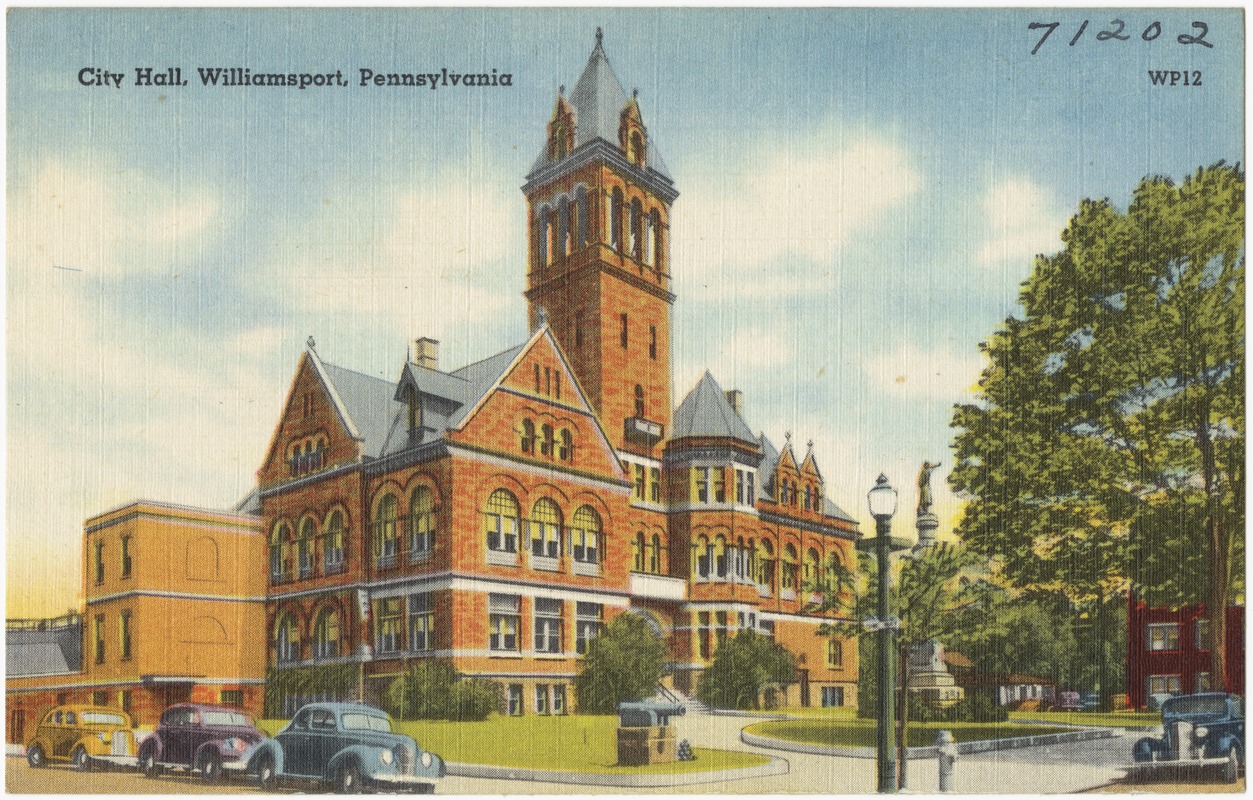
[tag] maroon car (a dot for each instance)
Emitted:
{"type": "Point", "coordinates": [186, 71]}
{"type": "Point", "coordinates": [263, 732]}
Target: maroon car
{"type": "Point", "coordinates": [207, 739]}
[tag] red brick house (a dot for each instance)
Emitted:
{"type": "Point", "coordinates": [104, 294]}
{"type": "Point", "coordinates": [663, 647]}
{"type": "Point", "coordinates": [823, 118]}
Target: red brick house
{"type": "Point", "coordinates": [499, 514]}
{"type": "Point", "coordinates": [1168, 651]}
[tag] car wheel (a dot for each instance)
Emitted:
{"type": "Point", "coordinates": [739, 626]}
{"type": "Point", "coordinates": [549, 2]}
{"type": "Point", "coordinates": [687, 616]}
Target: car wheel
{"type": "Point", "coordinates": [1231, 770]}
{"type": "Point", "coordinates": [35, 757]}
{"type": "Point", "coordinates": [348, 778]}
{"type": "Point", "coordinates": [210, 767]}
{"type": "Point", "coordinates": [80, 760]}
{"type": "Point", "coordinates": [148, 763]}
{"type": "Point", "coordinates": [265, 772]}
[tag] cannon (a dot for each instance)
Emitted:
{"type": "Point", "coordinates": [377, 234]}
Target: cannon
{"type": "Point", "coordinates": [644, 732]}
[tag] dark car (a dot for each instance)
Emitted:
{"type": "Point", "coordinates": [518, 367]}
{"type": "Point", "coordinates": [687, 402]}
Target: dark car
{"type": "Point", "coordinates": [347, 746]}
{"type": "Point", "coordinates": [207, 739]}
{"type": "Point", "coordinates": [1197, 730]}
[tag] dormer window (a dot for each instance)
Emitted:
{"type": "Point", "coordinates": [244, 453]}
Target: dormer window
{"type": "Point", "coordinates": [415, 411]}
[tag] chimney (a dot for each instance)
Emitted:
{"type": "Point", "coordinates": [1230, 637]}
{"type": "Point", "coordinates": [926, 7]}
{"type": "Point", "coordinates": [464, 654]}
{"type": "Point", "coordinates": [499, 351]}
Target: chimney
{"type": "Point", "coordinates": [426, 353]}
{"type": "Point", "coordinates": [736, 398]}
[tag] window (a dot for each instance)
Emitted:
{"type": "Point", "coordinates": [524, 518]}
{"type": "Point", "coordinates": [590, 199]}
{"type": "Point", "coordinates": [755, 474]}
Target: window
{"type": "Point", "coordinates": [100, 697]}
{"type": "Point", "coordinates": [326, 634]}
{"type": "Point", "coordinates": [421, 622]}
{"type": "Point", "coordinates": [585, 535]}
{"type": "Point", "coordinates": [389, 615]}
{"type": "Point", "coordinates": [654, 484]}
{"type": "Point", "coordinates": [1163, 636]}
{"type": "Point", "coordinates": [622, 330]}
{"type": "Point", "coordinates": [1165, 684]}
{"type": "Point", "coordinates": [515, 699]}
{"type": "Point", "coordinates": [99, 562]}
{"type": "Point", "coordinates": [578, 329]}
{"type": "Point", "coordinates": [789, 568]}
{"type": "Point", "coordinates": [304, 547]}
{"type": "Point", "coordinates": [1202, 635]}
{"type": "Point", "coordinates": [124, 635]}
{"type": "Point", "coordinates": [720, 620]}
{"type": "Point", "coordinates": [280, 558]}
{"type": "Point", "coordinates": [565, 445]}
{"type": "Point", "coordinates": [421, 523]}
{"type": "Point", "coordinates": [124, 700]}
{"type": "Point", "coordinates": [415, 410]}
{"type": "Point", "coordinates": [700, 484]}
{"type": "Point", "coordinates": [702, 554]}
{"type": "Point", "coordinates": [832, 696]}
{"type": "Point", "coordinates": [637, 553]}
{"type": "Point", "coordinates": [764, 567]}
{"type": "Point", "coordinates": [835, 654]}
{"type": "Point", "coordinates": [385, 531]}
{"type": "Point", "coordinates": [227, 697]}
{"type": "Point", "coordinates": [546, 444]}
{"type": "Point", "coordinates": [545, 529]}
{"type": "Point", "coordinates": [654, 555]}
{"type": "Point", "coordinates": [537, 382]}
{"type": "Point", "coordinates": [588, 620]}
{"type": "Point", "coordinates": [652, 342]}
{"type": "Point", "coordinates": [639, 401]}
{"type": "Point", "coordinates": [126, 556]}
{"type": "Point", "coordinates": [720, 485]}
{"type": "Point", "coordinates": [720, 556]}
{"type": "Point", "coordinates": [547, 625]}
{"type": "Point", "coordinates": [559, 698]}
{"type": "Point", "coordinates": [548, 381]}
{"type": "Point", "coordinates": [98, 627]}
{"type": "Point", "coordinates": [1202, 682]}
{"type": "Point", "coordinates": [541, 698]}
{"type": "Point", "coordinates": [286, 639]}
{"type": "Point", "coordinates": [333, 544]}
{"type": "Point", "coordinates": [503, 612]}
{"type": "Point", "coordinates": [809, 575]}
{"type": "Point", "coordinates": [637, 492]}
{"type": "Point", "coordinates": [704, 640]}
{"type": "Point", "coordinates": [501, 522]}
{"type": "Point", "coordinates": [528, 437]}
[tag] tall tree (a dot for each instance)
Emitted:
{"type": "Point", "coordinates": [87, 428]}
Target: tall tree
{"type": "Point", "coordinates": [743, 666]}
{"type": "Point", "coordinates": [623, 663]}
{"type": "Point", "coordinates": [1106, 449]}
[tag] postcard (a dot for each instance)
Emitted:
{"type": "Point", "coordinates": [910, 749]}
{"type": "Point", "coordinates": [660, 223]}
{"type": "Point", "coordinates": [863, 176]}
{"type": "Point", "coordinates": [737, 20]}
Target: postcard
{"type": "Point", "coordinates": [602, 401]}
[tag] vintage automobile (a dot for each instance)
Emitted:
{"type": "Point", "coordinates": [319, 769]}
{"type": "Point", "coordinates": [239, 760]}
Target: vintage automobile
{"type": "Point", "coordinates": [83, 736]}
{"type": "Point", "coordinates": [347, 746]}
{"type": "Point", "coordinates": [1198, 730]}
{"type": "Point", "coordinates": [207, 739]}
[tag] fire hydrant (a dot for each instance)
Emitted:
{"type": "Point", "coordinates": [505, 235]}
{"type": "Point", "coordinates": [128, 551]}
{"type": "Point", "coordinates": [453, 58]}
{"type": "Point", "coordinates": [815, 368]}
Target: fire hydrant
{"type": "Point", "coordinates": [947, 755]}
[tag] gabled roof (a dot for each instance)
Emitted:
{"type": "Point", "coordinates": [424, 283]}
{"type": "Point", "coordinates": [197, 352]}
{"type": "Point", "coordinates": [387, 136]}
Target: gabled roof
{"type": "Point", "coordinates": [368, 402]}
{"type": "Point", "coordinates": [57, 651]}
{"type": "Point", "coordinates": [706, 412]}
{"type": "Point", "coordinates": [810, 464]}
{"type": "Point", "coordinates": [598, 100]}
{"type": "Point", "coordinates": [481, 376]}
{"type": "Point", "coordinates": [765, 470]}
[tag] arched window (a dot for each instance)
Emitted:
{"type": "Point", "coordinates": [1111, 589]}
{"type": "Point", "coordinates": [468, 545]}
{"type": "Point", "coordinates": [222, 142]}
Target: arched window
{"type": "Point", "coordinates": [637, 553]}
{"type": "Point", "coordinates": [809, 577]}
{"type": "Point", "coordinates": [501, 522]}
{"type": "Point", "coordinates": [720, 556]}
{"type": "Point", "coordinates": [563, 230]}
{"type": "Point", "coordinates": [565, 445]}
{"type": "Point", "coordinates": [654, 556]}
{"type": "Point", "coordinates": [421, 523]}
{"type": "Point", "coordinates": [649, 252]}
{"type": "Point", "coordinates": [553, 240]}
{"type": "Point", "coordinates": [326, 634]}
{"type": "Point", "coordinates": [835, 653]}
{"type": "Point", "coordinates": [581, 197]}
{"type": "Point", "coordinates": [585, 535]}
{"type": "Point", "coordinates": [701, 556]}
{"type": "Point", "coordinates": [385, 531]}
{"type": "Point", "coordinates": [808, 496]}
{"type": "Point", "coordinates": [573, 221]}
{"type": "Point", "coordinates": [741, 559]}
{"type": "Point", "coordinates": [639, 401]}
{"type": "Point", "coordinates": [333, 544]}
{"type": "Point", "coordinates": [304, 546]}
{"type": "Point", "coordinates": [765, 566]}
{"type": "Point", "coordinates": [656, 244]}
{"type": "Point", "coordinates": [789, 571]}
{"type": "Point", "coordinates": [528, 437]}
{"type": "Point", "coordinates": [546, 444]}
{"type": "Point", "coordinates": [636, 230]}
{"type": "Point", "coordinates": [635, 148]}
{"type": "Point", "coordinates": [280, 553]}
{"type": "Point", "coordinates": [545, 529]}
{"type": "Point", "coordinates": [615, 220]}
{"type": "Point", "coordinates": [286, 639]}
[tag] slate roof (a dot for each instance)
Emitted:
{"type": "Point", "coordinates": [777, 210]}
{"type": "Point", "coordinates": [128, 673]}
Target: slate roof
{"type": "Point", "coordinates": [598, 99]}
{"type": "Point", "coordinates": [765, 470]}
{"type": "Point", "coordinates": [706, 412]}
{"type": "Point", "coordinates": [48, 652]}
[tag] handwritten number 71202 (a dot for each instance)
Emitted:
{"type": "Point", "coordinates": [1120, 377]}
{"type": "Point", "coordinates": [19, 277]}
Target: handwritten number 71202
{"type": "Point", "coordinates": [1116, 31]}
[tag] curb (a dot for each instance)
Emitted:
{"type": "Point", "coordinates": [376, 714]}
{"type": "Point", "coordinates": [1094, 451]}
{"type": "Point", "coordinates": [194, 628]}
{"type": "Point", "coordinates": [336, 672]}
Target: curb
{"type": "Point", "coordinates": [777, 766]}
{"type": "Point", "coordinates": [963, 748]}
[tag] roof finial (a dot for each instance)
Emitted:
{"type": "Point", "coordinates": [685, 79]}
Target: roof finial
{"type": "Point", "coordinates": [635, 93]}
{"type": "Point", "coordinates": [561, 90]}
{"type": "Point", "coordinates": [788, 435]}
{"type": "Point", "coordinates": [600, 35]}
{"type": "Point", "coordinates": [810, 443]}
{"type": "Point", "coordinates": [312, 344]}
{"type": "Point", "coordinates": [541, 317]}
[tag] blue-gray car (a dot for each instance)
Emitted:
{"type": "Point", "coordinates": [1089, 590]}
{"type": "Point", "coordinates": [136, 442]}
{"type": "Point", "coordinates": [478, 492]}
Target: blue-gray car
{"type": "Point", "coordinates": [1198, 730]}
{"type": "Point", "coordinates": [347, 747]}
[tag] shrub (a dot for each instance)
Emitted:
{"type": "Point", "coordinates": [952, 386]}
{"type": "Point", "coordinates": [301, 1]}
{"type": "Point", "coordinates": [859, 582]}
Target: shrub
{"type": "Point", "coordinates": [742, 668]}
{"type": "Point", "coordinates": [472, 700]}
{"type": "Point", "coordinates": [431, 690]}
{"type": "Point", "coordinates": [623, 663]}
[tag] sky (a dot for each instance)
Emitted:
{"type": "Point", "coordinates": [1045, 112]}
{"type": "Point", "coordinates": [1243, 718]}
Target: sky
{"type": "Point", "coordinates": [862, 191]}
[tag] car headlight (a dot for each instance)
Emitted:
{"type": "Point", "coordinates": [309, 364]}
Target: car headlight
{"type": "Point", "coordinates": [1200, 733]}
{"type": "Point", "coordinates": [386, 756]}
{"type": "Point", "coordinates": [427, 760]}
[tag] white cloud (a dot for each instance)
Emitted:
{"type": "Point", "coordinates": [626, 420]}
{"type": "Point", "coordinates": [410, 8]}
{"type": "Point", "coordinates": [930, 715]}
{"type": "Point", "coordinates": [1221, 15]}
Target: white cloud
{"type": "Point", "coordinates": [939, 374]}
{"type": "Point", "coordinates": [787, 203]}
{"type": "Point", "coordinates": [1022, 222]}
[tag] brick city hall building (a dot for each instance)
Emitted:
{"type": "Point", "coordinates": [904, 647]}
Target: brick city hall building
{"type": "Point", "coordinates": [497, 516]}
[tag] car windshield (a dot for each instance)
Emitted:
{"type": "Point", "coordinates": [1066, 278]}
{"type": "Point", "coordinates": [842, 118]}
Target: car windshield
{"type": "Point", "coordinates": [98, 718]}
{"type": "Point", "coordinates": [225, 719]}
{"type": "Point", "coordinates": [1196, 705]}
{"type": "Point", "coordinates": [363, 722]}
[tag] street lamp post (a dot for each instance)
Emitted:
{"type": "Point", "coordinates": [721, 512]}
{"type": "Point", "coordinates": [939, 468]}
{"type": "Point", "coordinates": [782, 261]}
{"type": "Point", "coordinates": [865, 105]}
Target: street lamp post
{"type": "Point", "coordinates": [882, 500]}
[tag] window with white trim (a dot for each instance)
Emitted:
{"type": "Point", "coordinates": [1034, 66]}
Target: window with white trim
{"type": "Point", "coordinates": [585, 535]}
{"type": "Point", "coordinates": [421, 622]}
{"type": "Point", "coordinates": [547, 625]}
{"type": "Point", "coordinates": [1165, 684]}
{"type": "Point", "coordinates": [545, 529]}
{"type": "Point", "coordinates": [501, 522]}
{"type": "Point", "coordinates": [421, 522]}
{"type": "Point", "coordinates": [390, 616]}
{"type": "Point", "coordinates": [589, 618]}
{"type": "Point", "coordinates": [504, 613]}
{"type": "Point", "coordinates": [1163, 636]}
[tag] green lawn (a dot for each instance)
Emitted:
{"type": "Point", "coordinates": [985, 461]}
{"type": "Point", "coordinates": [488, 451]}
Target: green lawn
{"type": "Point", "coordinates": [575, 743]}
{"type": "Point", "coordinates": [1122, 719]}
{"type": "Point", "coordinates": [854, 732]}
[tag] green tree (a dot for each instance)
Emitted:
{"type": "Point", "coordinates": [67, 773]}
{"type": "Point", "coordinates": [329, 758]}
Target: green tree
{"type": "Point", "coordinates": [743, 666]}
{"type": "Point", "coordinates": [432, 690]}
{"type": "Point", "coordinates": [623, 663]}
{"type": "Point", "coordinates": [1106, 449]}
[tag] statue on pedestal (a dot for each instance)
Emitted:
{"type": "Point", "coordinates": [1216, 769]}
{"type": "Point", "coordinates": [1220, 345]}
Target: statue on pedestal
{"type": "Point", "coordinates": [924, 486]}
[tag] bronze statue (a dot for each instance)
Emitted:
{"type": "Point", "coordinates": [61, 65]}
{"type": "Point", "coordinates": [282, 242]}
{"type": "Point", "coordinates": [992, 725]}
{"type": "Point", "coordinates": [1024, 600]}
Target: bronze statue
{"type": "Point", "coordinates": [924, 486]}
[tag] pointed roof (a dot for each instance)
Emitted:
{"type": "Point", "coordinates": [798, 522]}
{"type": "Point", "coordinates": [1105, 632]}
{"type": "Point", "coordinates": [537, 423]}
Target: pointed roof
{"type": "Point", "coordinates": [598, 99]}
{"type": "Point", "coordinates": [706, 412]}
{"type": "Point", "coordinates": [765, 470]}
{"type": "Point", "coordinates": [810, 464]}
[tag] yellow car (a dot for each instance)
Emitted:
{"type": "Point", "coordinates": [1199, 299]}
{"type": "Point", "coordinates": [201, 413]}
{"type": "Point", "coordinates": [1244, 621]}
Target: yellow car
{"type": "Point", "coordinates": [82, 736]}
